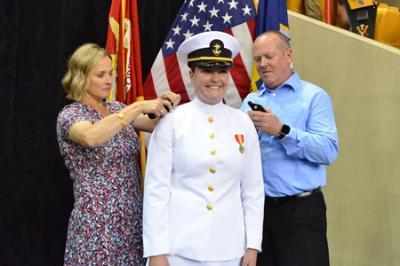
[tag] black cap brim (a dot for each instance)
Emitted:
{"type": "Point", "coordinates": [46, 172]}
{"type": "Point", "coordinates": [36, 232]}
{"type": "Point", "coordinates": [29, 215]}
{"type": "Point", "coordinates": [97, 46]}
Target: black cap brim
{"type": "Point", "coordinates": [211, 64]}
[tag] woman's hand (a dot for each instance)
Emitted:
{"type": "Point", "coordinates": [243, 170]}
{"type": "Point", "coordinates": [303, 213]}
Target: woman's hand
{"type": "Point", "coordinates": [250, 257]}
{"type": "Point", "coordinates": [172, 97]}
{"type": "Point", "coordinates": [157, 107]}
{"type": "Point", "coordinates": [162, 105]}
{"type": "Point", "coordinates": [160, 260]}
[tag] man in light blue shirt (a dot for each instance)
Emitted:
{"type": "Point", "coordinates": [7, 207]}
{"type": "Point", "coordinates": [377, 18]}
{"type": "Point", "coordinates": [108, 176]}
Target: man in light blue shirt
{"type": "Point", "coordinates": [298, 138]}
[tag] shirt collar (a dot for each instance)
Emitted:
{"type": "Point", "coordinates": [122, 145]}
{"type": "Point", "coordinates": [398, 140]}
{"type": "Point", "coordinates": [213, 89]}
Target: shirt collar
{"type": "Point", "coordinates": [207, 108]}
{"type": "Point", "coordinates": [293, 82]}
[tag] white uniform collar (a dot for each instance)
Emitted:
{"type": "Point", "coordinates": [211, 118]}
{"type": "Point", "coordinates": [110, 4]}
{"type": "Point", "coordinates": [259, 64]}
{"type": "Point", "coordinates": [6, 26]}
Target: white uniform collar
{"type": "Point", "coordinates": [208, 108]}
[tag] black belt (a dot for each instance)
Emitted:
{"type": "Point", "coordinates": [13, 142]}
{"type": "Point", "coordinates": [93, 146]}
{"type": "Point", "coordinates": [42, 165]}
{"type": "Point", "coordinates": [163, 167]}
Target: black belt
{"type": "Point", "coordinates": [285, 199]}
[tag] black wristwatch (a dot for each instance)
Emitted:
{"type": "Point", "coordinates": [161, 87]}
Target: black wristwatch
{"type": "Point", "coordinates": [284, 131]}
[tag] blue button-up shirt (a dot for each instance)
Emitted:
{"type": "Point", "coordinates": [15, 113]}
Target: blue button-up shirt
{"type": "Point", "coordinates": [297, 162]}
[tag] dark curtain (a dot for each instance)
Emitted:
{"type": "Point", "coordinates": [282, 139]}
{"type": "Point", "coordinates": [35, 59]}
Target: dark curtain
{"type": "Point", "coordinates": [36, 39]}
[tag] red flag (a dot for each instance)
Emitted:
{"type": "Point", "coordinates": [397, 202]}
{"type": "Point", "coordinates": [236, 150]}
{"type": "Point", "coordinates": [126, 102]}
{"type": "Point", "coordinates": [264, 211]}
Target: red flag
{"type": "Point", "coordinates": [123, 42]}
{"type": "Point", "coordinates": [237, 18]}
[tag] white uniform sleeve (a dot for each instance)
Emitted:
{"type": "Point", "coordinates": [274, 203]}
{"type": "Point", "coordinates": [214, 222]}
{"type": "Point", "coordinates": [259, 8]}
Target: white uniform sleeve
{"type": "Point", "coordinates": [157, 189]}
{"type": "Point", "coordinates": [252, 191]}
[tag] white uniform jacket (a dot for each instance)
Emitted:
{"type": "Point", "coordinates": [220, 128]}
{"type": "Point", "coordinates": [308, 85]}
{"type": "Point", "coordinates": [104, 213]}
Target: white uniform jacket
{"type": "Point", "coordinates": [203, 195]}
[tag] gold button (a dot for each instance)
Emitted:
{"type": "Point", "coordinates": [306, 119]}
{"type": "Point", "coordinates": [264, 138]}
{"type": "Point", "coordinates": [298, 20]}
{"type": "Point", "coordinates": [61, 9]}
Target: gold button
{"type": "Point", "coordinates": [210, 188]}
{"type": "Point", "coordinates": [212, 135]}
{"type": "Point", "coordinates": [212, 170]}
{"type": "Point", "coordinates": [210, 119]}
{"type": "Point", "coordinates": [209, 207]}
{"type": "Point", "coordinates": [213, 152]}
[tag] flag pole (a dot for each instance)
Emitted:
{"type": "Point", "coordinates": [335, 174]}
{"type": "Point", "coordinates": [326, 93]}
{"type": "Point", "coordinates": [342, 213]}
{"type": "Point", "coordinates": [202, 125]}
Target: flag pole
{"type": "Point", "coordinates": [328, 12]}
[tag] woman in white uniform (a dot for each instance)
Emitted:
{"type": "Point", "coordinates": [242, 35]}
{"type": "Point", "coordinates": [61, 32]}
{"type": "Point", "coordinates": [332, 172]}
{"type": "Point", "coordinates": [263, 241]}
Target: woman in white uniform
{"type": "Point", "coordinates": [204, 195]}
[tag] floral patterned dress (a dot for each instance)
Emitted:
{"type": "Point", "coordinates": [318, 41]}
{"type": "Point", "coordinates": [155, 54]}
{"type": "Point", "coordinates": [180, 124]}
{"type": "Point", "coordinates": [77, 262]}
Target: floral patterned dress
{"type": "Point", "coordinates": [105, 226]}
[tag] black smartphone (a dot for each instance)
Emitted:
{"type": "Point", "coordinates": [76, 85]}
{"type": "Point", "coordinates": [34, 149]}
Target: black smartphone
{"type": "Point", "coordinates": [256, 107]}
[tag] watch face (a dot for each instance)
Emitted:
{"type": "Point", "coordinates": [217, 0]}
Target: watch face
{"type": "Point", "coordinates": [285, 129]}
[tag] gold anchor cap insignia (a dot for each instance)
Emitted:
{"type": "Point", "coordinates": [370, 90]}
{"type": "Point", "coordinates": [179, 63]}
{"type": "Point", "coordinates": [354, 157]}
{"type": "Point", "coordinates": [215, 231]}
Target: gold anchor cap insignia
{"type": "Point", "coordinates": [216, 47]}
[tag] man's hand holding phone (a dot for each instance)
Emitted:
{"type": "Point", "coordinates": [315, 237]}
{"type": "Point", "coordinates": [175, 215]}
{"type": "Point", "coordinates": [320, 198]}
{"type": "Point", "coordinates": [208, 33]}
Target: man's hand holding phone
{"type": "Point", "coordinates": [264, 119]}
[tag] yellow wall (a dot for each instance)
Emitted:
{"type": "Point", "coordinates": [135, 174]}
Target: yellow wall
{"type": "Point", "coordinates": [391, 2]}
{"type": "Point", "coordinates": [363, 192]}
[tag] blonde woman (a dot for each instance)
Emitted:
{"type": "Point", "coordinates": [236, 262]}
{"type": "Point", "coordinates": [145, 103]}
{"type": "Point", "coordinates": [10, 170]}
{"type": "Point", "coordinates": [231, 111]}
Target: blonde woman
{"type": "Point", "coordinates": [98, 142]}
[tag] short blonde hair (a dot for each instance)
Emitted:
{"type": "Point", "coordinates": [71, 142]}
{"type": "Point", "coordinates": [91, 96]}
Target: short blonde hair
{"type": "Point", "coordinates": [80, 65]}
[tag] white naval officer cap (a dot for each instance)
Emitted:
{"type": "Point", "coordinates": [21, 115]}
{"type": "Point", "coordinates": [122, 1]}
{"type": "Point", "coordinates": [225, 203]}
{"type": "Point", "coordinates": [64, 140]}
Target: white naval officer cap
{"type": "Point", "coordinates": [210, 49]}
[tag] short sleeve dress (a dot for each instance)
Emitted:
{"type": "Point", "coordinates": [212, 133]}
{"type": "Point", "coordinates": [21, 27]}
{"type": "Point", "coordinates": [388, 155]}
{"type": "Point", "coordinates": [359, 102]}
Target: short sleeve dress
{"type": "Point", "coordinates": [105, 226]}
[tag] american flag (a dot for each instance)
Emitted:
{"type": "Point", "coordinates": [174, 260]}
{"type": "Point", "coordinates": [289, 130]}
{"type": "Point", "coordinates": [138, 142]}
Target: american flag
{"type": "Point", "coordinates": [235, 17]}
